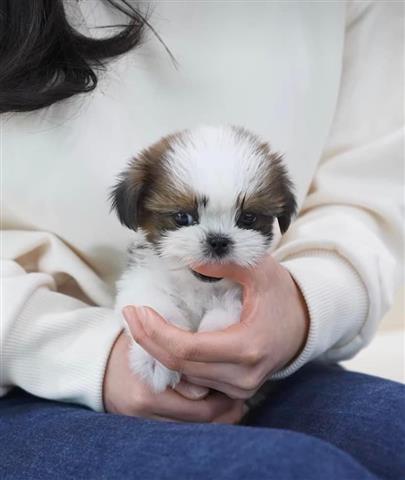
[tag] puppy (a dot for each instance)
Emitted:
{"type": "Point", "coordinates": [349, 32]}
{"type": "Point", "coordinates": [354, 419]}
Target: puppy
{"type": "Point", "coordinates": [206, 195]}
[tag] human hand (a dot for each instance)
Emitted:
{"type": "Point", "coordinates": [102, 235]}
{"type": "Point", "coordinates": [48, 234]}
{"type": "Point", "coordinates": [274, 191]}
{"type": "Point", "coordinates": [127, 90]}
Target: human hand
{"type": "Point", "coordinates": [125, 393]}
{"type": "Point", "coordinates": [238, 360]}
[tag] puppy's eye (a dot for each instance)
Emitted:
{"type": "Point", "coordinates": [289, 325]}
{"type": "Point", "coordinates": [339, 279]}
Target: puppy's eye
{"type": "Point", "coordinates": [183, 219]}
{"type": "Point", "coordinates": [247, 219]}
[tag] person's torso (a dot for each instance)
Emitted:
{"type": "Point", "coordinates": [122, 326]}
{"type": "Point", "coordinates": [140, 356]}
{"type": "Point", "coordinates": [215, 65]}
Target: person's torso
{"type": "Point", "coordinates": [272, 67]}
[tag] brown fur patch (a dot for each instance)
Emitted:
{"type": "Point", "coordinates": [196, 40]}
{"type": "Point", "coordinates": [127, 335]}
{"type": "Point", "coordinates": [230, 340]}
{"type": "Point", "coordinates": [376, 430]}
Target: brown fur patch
{"type": "Point", "coordinates": [146, 195]}
{"type": "Point", "coordinates": [274, 197]}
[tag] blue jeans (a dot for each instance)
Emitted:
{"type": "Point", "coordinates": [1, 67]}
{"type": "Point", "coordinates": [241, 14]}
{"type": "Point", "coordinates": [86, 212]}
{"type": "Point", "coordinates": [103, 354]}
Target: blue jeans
{"type": "Point", "coordinates": [323, 423]}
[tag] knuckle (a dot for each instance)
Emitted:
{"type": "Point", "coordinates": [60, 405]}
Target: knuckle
{"type": "Point", "coordinates": [242, 395]}
{"type": "Point", "coordinates": [252, 355]}
{"type": "Point", "coordinates": [250, 382]}
{"type": "Point", "coordinates": [152, 334]}
{"type": "Point", "coordinates": [186, 352]}
{"type": "Point", "coordinates": [173, 363]}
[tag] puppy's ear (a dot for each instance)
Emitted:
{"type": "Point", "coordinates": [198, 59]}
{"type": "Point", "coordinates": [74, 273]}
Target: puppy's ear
{"type": "Point", "coordinates": [126, 198]}
{"type": "Point", "coordinates": [283, 191]}
{"type": "Point", "coordinates": [134, 185]}
{"type": "Point", "coordinates": [288, 211]}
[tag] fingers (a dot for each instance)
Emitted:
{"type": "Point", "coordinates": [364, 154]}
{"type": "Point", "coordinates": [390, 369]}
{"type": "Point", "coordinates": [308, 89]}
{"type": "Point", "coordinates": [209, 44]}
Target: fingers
{"type": "Point", "coordinates": [251, 278]}
{"type": "Point", "coordinates": [222, 372]}
{"type": "Point", "coordinates": [226, 372]}
{"type": "Point", "coordinates": [173, 346]}
{"type": "Point", "coordinates": [190, 391]}
{"type": "Point", "coordinates": [174, 406]}
{"type": "Point", "coordinates": [231, 417]}
{"type": "Point", "coordinates": [230, 390]}
{"type": "Point", "coordinates": [234, 415]}
{"type": "Point", "coordinates": [242, 275]}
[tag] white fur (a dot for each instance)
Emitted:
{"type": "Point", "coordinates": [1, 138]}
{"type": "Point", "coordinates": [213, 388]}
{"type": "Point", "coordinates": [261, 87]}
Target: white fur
{"type": "Point", "coordinates": [177, 296]}
{"type": "Point", "coordinates": [214, 162]}
{"type": "Point", "coordinates": [218, 161]}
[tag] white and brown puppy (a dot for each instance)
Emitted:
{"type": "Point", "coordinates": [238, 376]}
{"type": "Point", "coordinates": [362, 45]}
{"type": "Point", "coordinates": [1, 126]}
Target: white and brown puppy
{"type": "Point", "coordinates": [197, 196]}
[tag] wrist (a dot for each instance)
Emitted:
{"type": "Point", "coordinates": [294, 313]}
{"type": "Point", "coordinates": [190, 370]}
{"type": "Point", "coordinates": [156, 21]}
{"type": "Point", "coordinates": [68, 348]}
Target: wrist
{"type": "Point", "coordinates": [113, 368]}
{"type": "Point", "coordinates": [302, 321]}
{"type": "Point", "coordinates": [328, 283]}
{"type": "Point", "coordinates": [297, 318]}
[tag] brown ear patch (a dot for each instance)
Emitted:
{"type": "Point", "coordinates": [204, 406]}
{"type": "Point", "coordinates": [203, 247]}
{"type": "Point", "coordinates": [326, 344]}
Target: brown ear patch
{"type": "Point", "coordinates": [274, 196]}
{"type": "Point", "coordinates": [146, 196]}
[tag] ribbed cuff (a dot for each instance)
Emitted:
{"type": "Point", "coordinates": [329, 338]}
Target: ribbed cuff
{"type": "Point", "coordinates": [336, 299]}
{"type": "Point", "coordinates": [59, 347]}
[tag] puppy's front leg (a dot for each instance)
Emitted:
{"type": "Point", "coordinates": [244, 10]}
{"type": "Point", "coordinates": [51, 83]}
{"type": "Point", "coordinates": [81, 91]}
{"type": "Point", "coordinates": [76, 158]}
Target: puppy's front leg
{"type": "Point", "coordinates": [152, 372]}
{"type": "Point", "coordinates": [224, 312]}
{"type": "Point", "coordinates": [156, 375]}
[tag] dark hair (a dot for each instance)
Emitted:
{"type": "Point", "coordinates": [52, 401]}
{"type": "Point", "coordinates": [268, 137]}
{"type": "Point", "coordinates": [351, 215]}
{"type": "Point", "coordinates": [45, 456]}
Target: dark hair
{"type": "Point", "coordinates": [43, 59]}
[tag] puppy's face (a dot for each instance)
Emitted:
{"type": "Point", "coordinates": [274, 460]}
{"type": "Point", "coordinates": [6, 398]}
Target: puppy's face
{"type": "Point", "coordinates": [208, 195]}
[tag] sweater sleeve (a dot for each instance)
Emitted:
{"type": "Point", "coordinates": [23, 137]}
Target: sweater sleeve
{"type": "Point", "coordinates": [57, 327]}
{"type": "Point", "coordinates": [344, 250]}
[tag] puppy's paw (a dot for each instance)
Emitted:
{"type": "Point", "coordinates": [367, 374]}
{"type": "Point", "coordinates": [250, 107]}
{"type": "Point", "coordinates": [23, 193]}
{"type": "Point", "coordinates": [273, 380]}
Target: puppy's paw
{"type": "Point", "coordinates": [218, 319]}
{"type": "Point", "coordinates": [224, 312]}
{"type": "Point", "coordinates": [152, 372]}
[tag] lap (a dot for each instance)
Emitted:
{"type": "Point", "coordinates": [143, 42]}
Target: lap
{"type": "Point", "coordinates": [360, 414]}
{"type": "Point", "coordinates": [43, 439]}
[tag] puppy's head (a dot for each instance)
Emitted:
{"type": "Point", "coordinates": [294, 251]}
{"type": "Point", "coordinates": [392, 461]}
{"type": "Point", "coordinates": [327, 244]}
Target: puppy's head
{"type": "Point", "coordinates": [206, 195]}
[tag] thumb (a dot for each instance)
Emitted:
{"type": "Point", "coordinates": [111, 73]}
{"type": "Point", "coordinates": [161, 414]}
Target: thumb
{"type": "Point", "coordinates": [242, 275]}
{"type": "Point", "coordinates": [140, 317]}
{"type": "Point", "coordinates": [191, 391]}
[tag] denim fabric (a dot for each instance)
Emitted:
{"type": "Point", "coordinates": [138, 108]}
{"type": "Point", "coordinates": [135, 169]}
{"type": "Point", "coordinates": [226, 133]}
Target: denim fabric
{"type": "Point", "coordinates": [360, 414]}
{"type": "Point", "coordinates": [358, 420]}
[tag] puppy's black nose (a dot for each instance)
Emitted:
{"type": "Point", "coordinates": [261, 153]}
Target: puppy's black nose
{"type": "Point", "coordinates": [219, 244]}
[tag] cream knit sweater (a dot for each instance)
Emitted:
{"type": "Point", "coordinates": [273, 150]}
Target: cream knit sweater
{"type": "Point", "coordinates": [322, 81]}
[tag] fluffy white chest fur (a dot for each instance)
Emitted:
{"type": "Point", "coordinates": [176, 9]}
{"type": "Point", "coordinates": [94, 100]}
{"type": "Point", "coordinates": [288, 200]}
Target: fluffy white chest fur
{"type": "Point", "coordinates": [178, 297]}
{"type": "Point", "coordinates": [206, 195]}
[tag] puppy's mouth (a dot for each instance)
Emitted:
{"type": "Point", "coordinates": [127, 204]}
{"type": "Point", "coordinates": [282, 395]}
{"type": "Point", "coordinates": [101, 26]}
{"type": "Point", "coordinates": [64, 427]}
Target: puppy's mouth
{"type": "Point", "coordinates": [205, 278]}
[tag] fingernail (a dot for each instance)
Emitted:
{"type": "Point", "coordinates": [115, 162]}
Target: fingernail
{"type": "Point", "coordinates": [129, 313]}
{"type": "Point", "coordinates": [139, 313]}
{"type": "Point", "coordinates": [197, 392]}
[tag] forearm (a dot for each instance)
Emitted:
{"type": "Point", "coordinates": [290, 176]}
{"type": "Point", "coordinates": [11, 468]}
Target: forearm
{"type": "Point", "coordinates": [58, 349]}
{"type": "Point", "coordinates": [52, 345]}
{"type": "Point", "coordinates": [345, 248]}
